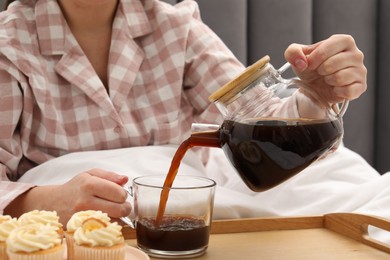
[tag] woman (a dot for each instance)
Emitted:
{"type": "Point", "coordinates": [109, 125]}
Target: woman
{"type": "Point", "coordinates": [79, 75]}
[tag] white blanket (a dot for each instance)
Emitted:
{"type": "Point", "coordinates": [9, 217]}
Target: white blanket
{"type": "Point", "coordinates": [342, 182]}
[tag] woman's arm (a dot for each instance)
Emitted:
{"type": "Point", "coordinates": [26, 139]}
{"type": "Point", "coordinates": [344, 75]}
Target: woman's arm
{"type": "Point", "coordinates": [95, 189]}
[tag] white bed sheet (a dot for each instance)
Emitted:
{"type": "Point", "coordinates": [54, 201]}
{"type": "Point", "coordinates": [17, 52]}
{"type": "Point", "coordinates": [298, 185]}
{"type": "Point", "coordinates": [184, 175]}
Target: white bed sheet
{"type": "Point", "coordinates": [342, 182]}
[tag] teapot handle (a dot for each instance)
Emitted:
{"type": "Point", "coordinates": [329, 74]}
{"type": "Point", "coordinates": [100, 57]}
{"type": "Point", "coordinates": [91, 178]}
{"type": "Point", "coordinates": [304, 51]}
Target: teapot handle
{"type": "Point", "coordinates": [339, 109]}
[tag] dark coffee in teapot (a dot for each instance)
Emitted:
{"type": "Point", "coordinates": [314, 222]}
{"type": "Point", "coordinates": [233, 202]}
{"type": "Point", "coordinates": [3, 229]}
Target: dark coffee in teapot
{"type": "Point", "coordinates": [265, 153]}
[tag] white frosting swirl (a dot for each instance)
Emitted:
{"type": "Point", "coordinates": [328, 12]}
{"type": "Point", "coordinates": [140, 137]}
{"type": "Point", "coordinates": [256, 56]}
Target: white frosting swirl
{"type": "Point", "coordinates": [79, 217]}
{"type": "Point", "coordinates": [4, 218]}
{"type": "Point", "coordinates": [7, 224]}
{"type": "Point", "coordinates": [33, 237]}
{"type": "Point", "coordinates": [40, 216]}
{"type": "Point", "coordinates": [105, 236]}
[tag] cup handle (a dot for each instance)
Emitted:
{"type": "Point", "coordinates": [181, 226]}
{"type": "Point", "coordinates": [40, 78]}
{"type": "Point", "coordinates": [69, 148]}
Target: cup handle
{"type": "Point", "coordinates": [339, 109]}
{"type": "Point", "coordinates": [127, 220]}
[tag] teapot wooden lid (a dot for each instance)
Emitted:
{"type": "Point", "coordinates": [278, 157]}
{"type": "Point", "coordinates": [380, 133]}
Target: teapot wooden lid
{"type": "Point", "coordinates": [237, 84]}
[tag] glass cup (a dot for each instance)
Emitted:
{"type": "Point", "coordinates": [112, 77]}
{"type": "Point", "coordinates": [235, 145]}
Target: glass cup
{"type": "Point", "coordinates": [181, 228]}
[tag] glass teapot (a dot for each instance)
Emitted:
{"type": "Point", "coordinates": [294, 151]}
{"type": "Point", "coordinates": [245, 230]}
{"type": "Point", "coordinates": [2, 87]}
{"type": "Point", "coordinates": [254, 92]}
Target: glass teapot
{"type": "Point", "coordinates": [273, 128]}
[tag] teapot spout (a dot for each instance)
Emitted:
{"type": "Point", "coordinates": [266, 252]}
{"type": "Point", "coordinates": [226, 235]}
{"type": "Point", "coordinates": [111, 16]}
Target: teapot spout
{"type": "Point", "coordinates": [207, 135]}
{"type": "Point", "coordinates": [199, 127]}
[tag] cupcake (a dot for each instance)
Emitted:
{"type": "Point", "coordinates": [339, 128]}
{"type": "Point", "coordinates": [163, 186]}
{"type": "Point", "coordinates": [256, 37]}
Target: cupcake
{"type": "Point", "coordinates": [35, 242]}
{"type": "Point", "coordinates": [98, 240]}
{"type": "Point", "coordinates": [7, 224]}
{"type": "Point", "coordinates": [76, 221]}
{"type": "Point", "coordinates": [43, 217]}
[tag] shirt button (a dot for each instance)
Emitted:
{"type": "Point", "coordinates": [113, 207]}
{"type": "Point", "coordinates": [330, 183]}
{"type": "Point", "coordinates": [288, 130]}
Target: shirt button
{"type": "Point", "coordinates": [117, 129]}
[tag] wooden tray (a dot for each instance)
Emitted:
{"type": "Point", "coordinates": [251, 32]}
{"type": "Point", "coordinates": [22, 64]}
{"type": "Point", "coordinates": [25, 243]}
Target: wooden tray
{"type": "Point", "coordinates": [332, 236]}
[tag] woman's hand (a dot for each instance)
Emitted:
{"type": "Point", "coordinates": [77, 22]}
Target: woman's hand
{"type": "Point", "coordinates": [95, 189]}
{"type": "Point", "coordinates": [333, 68]}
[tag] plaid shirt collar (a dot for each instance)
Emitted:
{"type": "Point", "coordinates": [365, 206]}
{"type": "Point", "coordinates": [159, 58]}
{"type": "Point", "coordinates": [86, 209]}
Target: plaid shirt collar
{"type": "Point", "coordinates": [55, 37]}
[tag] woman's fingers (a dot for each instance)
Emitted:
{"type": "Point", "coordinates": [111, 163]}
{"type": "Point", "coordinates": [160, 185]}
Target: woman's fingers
{"type": "Point", "coordinates": [328, 48]}
{"type": "Point", "coordinates": [96, 189]}
{"type": "Point", "coordinates": [113, 209]}
{"type": "Point", "coordinates": [108, 175]}
{"type": "Point", "coordinates": [334, 67]}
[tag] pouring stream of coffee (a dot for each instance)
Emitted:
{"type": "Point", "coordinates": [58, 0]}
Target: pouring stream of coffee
{"type": "Point", "coordinates": [207, 139]}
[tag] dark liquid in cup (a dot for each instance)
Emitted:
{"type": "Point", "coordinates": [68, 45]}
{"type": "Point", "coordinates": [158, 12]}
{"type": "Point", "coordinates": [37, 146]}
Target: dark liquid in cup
{"type": "Point", "coordinates": [266, 153]}
{"type": "Point", "coordinates": [173, 233]}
